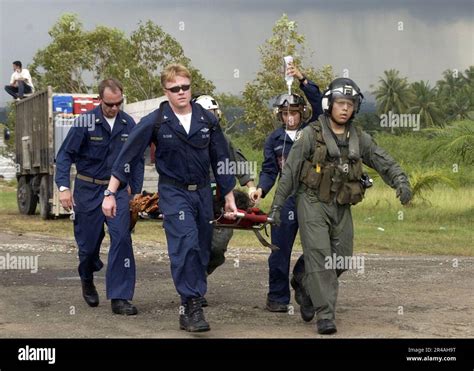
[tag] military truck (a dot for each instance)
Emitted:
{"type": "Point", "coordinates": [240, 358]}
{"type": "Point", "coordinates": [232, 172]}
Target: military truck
{"type": "Point", "coordinates": [42, 122]}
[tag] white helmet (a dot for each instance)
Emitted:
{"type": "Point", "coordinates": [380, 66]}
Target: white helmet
{"type": "Point", "coordinates": [209, 103]}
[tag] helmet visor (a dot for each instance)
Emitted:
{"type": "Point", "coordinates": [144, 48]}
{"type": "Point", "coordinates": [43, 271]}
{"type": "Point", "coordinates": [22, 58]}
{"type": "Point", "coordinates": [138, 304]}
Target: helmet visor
{"type": "Point", "coordinates": [285, 100]}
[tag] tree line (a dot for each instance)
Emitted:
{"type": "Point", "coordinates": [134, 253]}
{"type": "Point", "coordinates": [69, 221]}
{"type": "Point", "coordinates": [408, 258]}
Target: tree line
{"type": "Point", "coordinates": [76, 60]}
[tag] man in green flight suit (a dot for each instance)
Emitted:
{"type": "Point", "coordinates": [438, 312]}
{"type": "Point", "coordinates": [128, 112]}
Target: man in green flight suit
{"type": "Point", "coordinates": [324, 171]}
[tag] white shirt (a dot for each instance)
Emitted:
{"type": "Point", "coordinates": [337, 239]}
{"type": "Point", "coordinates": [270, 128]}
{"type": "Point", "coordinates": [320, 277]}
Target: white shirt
{"type": "Point", "coordinates": [291, 134]}
{"type": "Point", "coordinates": [185, 120]}
{"type": "Point", "coordinates": [111, 122]}
{"type": "Point", "coordinates": [25, 75]}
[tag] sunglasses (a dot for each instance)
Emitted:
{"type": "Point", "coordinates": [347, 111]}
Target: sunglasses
{"type": "Point", "coordinates": [118, 104]}
{"type": "Point", "coordinates": [177, 89]}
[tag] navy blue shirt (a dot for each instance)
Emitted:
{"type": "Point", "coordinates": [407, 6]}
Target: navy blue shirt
{"type": "Point", "coordinates": [278, 143]}
{"type": "Point", "coordinates": [175, 158]}
{"type": "Point", "coordinates": [93, 148]}
{"type": "Point", "coordinates": [314, 96]}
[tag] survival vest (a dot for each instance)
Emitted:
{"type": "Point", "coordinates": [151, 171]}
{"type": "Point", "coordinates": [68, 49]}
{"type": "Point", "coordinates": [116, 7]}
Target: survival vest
{"type": "Point", "coordinates": [335, 170]}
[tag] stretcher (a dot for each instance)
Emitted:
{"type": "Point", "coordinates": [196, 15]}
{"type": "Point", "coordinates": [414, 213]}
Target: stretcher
{"type": "Point", "coordinates": [251, 219]}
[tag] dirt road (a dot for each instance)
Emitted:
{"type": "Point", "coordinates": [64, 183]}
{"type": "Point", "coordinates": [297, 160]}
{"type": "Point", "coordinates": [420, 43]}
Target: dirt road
{"type": "Point", "coordinates": [395, 297]}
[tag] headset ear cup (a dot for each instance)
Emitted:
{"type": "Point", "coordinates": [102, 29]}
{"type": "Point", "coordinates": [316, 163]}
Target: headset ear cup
{"type": "Point", "coordinates": [307, 113]}
{"type": "Point", "coordinates": [325, 101]}
{"type": "Point", "coordinates": [276, 114]}
{"type": "Point", "coordinates": [325, 104]}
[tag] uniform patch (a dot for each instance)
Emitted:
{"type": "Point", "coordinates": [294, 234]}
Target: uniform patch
{"type": "Point", "coordinates": [204, 130]}
{"type": "Point", "coordinates": [97, 138]}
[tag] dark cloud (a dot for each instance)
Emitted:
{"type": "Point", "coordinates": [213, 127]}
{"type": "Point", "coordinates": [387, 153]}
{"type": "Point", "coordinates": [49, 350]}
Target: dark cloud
{"type": "Point", "coordinates": [221, 36]}
{"type": "Point", "coordinates": [428, 10]}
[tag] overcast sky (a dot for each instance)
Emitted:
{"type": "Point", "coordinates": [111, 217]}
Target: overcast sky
{"type": "Point", "coordinates": [220, 36]}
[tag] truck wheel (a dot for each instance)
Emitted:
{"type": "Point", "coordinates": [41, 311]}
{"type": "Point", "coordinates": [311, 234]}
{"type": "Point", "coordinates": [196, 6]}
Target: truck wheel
{"type": "Point", "coordinates": [26, 198]}
{"type": "Point", "coordinates": [44, 195]}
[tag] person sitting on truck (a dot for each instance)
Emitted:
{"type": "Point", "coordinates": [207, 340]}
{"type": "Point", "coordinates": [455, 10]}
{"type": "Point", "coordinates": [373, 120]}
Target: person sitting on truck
{"type": "Point", "coordinates": [20, 82]}
{"type": "Point", "coordinates": [94, 150]}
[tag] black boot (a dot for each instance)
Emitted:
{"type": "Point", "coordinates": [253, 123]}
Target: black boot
{"type": "Point", "coordinates": [302, 298]}
{"type": "Point", "coordinates": [274, 306]}
{"type": "Point", "coordinates": [121, 306]}
{"type": "Point", "coordinates": [89, 293]}
{"type": "Point", "coordinates": [326, 326]}
{"type": "Point", "coordinates": [193, 320]}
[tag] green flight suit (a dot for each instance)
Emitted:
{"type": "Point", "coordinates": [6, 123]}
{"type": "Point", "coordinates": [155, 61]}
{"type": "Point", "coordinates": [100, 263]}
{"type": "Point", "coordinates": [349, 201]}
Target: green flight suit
{"type": "Point", "coordinates": [326, 228]}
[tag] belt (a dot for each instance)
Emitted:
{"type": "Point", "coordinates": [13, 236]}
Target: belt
{"type": "Point", "coordinates": [189, 187]}
{"type": "Point", "coordinates": [92, 180]}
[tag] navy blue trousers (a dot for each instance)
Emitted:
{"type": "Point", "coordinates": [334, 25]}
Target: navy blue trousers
{"type": "Point", "coordinates": [188, 235]}
{"type": "Point", "coordinates": [89, 233]}
{"type": "Point", "coordinates": [18, 91]}
{"type": "Point", "coordinates": [279, 261]}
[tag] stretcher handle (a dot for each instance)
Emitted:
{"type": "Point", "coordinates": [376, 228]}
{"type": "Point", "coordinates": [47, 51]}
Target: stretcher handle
{"type": "Point", "coordinates": [254, 217]}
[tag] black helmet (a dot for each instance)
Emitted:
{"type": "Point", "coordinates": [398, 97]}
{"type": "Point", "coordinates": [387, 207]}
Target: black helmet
{"type": "Point", "coordinates": [342, 88]}
{"type": "Point", "coordinates": [291, 102]}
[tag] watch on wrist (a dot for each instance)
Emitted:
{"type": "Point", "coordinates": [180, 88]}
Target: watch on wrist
{"type": "Point", "coordinates": [108, 192]}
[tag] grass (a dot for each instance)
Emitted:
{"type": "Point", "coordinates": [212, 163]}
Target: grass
{"type": "Point", "coordinates": [442, 226]}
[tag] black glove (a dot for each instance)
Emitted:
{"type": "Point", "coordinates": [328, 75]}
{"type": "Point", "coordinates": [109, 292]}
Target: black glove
{"type": "Point", "coordinates": [275, 215]}
{"type": "Point", "coordinates": [404, 193]}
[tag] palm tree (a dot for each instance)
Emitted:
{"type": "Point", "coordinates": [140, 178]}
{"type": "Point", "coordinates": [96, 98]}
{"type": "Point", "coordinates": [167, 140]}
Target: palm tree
{"type": "Point", "coordinates": [451, 83]}
{"type": "Point", "coordinates": [393, 93]}
{"type": "Point", "coordinates": [461, 104]}
{"type": "Point", "coordinates": [425, 104]}
{"type": "Point", "coordinates": [424, 181]}
{"type": "Point", "coordinates": [456, 142]}
{"type": "Point", "coordinates": [469, 90]}
{"type": "Point", "coordinates": [469, 76]}
{"type": "Point", "coordinates": [456, 94]}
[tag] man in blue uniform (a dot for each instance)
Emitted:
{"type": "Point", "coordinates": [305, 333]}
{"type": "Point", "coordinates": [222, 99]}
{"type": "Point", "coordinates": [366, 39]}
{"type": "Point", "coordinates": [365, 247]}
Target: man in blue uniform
{"type": "Point", "coordinates": [292, 113]}
{"type": "Point", "coordinates": [188, 141]}
{"type": "Point", "coordinates": [93, 143]}
{"type": "Point", "coordinates": [222, 236]}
